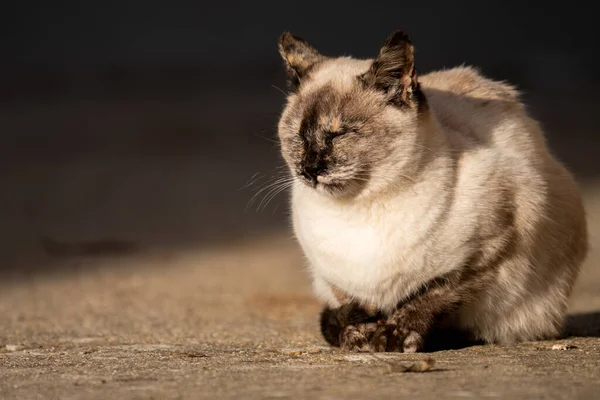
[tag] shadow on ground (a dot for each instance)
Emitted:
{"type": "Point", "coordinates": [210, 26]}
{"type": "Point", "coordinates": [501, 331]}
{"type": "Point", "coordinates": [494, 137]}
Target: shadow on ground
{"type": "Point", "coordinates": [583, 325]}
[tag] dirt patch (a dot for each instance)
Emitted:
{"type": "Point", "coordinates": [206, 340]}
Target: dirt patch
{"type": "Point", "coordinates": [283, 305]}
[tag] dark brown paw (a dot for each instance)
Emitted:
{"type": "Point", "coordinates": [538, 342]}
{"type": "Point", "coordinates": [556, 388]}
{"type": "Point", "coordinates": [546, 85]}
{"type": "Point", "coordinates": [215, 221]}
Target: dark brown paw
{"type": "Point", "coordinates": [395, 339]}
{"type": "Point", "coordinates": [379, 340]}
{"type": "Point", "coordinates": [335, 320]}
{"type": "Point", "coordinates": [352, 339]}
{"type": "Point", "coordinates": [413, 341]}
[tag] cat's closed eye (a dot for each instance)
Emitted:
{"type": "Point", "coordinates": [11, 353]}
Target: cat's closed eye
{"type": "Point", "coordinates": [332, 135]}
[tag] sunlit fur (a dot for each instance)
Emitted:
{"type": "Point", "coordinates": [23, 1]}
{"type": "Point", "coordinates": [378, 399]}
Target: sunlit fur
{"type": "Point", "coordinates": [414, 192]}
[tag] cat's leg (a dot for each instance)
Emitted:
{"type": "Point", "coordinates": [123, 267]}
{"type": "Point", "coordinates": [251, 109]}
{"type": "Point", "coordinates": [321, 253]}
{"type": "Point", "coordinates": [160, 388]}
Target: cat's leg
{"type": "Point", "coordinates": [350, 327]}
{"type": "Point", "coordinates": [408, 326]}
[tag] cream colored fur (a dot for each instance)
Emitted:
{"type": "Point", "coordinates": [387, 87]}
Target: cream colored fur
{"type": "Point", "coordinates": [427, 211]}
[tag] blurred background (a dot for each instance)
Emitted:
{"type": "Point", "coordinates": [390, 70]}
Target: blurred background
{"type": "Point", "coordinates": [130, 124]}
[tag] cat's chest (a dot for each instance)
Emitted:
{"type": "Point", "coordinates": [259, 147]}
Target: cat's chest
{"type": "Point", "coordinates": [344, 243]}
{"type": "Point", "coordinates": [362, 251]}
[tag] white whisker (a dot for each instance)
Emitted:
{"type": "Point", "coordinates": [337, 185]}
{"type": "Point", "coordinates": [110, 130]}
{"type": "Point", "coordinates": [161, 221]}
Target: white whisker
{"type": "Point", "coordinates": [278, 88]}
{"type": "Point", "coordinates": [251, 181]}
{"type": "Point", "coordinates": [268, 188]}
{"type": "Point", "coordinates": [269, 197]}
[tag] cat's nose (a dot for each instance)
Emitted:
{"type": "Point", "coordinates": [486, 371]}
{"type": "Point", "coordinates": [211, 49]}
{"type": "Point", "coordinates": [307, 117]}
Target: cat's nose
{"type": "Point", "coordinates": [311, 171]}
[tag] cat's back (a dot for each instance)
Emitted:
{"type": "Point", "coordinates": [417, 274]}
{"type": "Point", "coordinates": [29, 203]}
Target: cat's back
{"type": "Point", "coordinates": [468, 82]}
{"type": "Point", "coordinates": [472, 107]}
{"type": "Point", "coordinates": [501, 149]}
{"type": "Point", "coordinates": [487, 124]}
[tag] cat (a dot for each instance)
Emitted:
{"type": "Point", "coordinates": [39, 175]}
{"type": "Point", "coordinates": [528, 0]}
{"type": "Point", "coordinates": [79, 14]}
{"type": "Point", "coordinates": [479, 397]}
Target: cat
{"type": "Point", "coordinates": [425, 201]}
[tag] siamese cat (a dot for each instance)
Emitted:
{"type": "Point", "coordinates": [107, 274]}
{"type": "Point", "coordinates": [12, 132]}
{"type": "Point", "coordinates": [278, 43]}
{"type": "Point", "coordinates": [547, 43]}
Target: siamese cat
{"type": "Point", "coordinates": [425, 201]}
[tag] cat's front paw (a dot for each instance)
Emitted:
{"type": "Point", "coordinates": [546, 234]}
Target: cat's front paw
{"type": "Point", "coordinates": [355, 338]}
{"type": "Point", "coordinates": [393, 338]}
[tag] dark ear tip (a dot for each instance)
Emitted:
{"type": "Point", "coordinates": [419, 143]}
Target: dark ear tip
{"type": "Point", "coordinates": [398, 37]}
{"type": "Point", "coordinates": [287, 38]}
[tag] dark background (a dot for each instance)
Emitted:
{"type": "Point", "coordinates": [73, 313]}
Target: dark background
{"type": "Point", "coordinates": [142, 122]}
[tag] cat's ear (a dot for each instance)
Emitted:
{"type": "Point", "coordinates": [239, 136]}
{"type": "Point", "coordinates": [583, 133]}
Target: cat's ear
{"type": "Point", "coordinates": [393, 71]}
{"type": "Point", "coordinates": [298, 56]}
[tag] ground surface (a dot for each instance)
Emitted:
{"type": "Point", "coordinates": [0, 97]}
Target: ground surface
{"type": "Point", "coordinates": [239, 321]}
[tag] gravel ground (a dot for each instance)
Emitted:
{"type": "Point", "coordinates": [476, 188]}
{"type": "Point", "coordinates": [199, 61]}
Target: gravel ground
{"type": "Point", "coordinates": [239, 321]}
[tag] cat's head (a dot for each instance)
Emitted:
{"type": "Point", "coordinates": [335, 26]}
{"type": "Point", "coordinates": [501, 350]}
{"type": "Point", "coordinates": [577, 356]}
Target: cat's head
{"type": "Point", "coordinates": [350, 125]}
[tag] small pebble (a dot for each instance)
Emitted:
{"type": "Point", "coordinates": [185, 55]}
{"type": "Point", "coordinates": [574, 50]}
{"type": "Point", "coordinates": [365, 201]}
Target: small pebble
{"type": "Point", "coordinates": [564, 346]}
{"type": "Point", "coordinates": [189, 355]}
{"type": "Point", "coordinates": [419, 366]}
